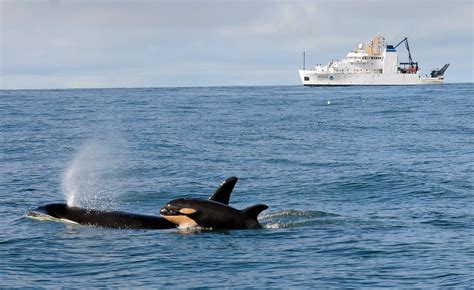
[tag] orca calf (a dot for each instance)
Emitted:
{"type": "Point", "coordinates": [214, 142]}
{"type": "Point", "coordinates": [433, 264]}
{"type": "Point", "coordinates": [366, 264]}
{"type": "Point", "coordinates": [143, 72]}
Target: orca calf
{"type": "Point", "coordinates": [118, 219]}
{"type": "Point", "coordinates": [214, 213]}
{"type": "Point", "coordinates": [191, 212]}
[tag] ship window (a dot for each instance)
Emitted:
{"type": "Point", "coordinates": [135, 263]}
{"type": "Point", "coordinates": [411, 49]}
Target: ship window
{"type": "Point", "coordinates": [306, 78]}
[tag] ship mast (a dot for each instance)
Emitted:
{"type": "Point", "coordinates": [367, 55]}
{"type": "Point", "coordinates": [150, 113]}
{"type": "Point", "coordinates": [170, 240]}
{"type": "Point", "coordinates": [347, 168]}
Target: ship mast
{"type": "Point", "coordinates": [304, 60]}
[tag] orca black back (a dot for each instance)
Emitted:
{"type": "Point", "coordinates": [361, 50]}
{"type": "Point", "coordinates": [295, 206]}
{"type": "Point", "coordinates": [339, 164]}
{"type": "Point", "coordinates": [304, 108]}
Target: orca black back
{"type": "Point", "coordinates": [106, 219]}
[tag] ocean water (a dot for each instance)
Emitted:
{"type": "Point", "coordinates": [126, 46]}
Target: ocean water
{"type": "Point", "coordinates": [367, 186]}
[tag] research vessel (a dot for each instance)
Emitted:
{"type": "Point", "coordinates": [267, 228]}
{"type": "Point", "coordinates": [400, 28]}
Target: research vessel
{"type": "Point", "coordinates": [372, 63]}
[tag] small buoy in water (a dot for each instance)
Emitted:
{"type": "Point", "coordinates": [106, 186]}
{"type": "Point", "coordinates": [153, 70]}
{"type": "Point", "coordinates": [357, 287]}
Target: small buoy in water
{"type": "Point", "coordinates": [329, 102]}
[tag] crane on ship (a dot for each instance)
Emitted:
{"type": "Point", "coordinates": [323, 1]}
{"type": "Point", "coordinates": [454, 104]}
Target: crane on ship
{"type": "Point", "coordinates": [412, 66]}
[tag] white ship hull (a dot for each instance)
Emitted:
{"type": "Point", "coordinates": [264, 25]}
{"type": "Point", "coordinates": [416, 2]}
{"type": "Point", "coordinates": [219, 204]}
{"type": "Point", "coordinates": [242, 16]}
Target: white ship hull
{"type": "Point", "coordinates": [313, 78]}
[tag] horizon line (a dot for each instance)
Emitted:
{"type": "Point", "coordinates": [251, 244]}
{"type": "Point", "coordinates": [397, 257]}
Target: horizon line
{"type": "Point", "coordinates": [203, 86]}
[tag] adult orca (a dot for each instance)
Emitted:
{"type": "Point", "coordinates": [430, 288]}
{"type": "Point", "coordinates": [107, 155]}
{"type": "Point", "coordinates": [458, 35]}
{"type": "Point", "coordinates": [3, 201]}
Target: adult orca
{"type": "Point", "coordinates": [99, 218]}
{"type": "Point", "coordinates": [118, 219]}
{"type": "Point", "coordinates": [214, 213]}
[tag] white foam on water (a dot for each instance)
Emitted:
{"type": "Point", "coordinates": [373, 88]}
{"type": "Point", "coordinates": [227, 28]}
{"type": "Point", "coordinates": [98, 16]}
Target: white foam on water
{"type": "Point", "coordinates": [90, 179]}
{"type": "Point", "coordinates": [293, 218]}
{"type": "Point", "coordinates": [274, 226]}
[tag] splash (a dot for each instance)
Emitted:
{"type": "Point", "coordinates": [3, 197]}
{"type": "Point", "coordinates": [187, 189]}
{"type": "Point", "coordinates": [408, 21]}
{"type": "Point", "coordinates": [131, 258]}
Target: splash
{"type": "Point", "coordinates": [90, 179]}
{"type": "Point", "coordinates": [295, 218]}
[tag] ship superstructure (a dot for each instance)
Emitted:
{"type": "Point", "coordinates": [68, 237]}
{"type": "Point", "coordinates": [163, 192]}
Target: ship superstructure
{"type": "Point", "coordinates": [372, 63]}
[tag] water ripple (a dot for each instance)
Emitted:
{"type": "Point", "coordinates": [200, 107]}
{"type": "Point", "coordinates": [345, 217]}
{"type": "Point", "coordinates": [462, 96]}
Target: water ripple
{"type": "Point", "coordinates": [372, 190]}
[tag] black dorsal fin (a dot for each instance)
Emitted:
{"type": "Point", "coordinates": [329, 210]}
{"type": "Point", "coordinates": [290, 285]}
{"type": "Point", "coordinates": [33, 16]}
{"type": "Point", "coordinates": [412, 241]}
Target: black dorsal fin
{"type": "Point", "coordinates": [254, 210]}
{"type": "Point", "coordinates": [222, 193]}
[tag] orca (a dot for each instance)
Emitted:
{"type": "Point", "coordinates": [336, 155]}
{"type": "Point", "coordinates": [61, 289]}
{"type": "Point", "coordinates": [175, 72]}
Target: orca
{"type": "Point", "coordinates": [208, 214]}
{"type": "Point", "coordinates": [99, 218]}
{"type": "Point", "coordinates": [118, 219]}
{"type": "Point", "coordinates": [214, 213]}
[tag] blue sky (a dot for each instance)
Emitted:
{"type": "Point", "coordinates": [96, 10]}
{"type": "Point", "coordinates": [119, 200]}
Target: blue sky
{"type": "Point", "coordinates": [92, 43]}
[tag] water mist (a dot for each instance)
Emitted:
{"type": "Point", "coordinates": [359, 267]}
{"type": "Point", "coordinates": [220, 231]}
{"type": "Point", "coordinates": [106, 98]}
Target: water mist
{"type": "Point", "coordinates": [90, 179]}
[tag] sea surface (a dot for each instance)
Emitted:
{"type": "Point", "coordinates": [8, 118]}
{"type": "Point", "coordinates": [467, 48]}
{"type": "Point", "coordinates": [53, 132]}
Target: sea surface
{"type": "Point", "coordinates": [367, 186]}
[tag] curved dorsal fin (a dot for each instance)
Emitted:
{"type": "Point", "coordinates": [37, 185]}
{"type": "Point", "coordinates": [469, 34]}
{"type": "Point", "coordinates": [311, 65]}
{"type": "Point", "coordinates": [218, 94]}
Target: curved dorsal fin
{"type": "Point", "coordinates": [222, 193]}
{"type": "Point", "coordinates": [254, 210]}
